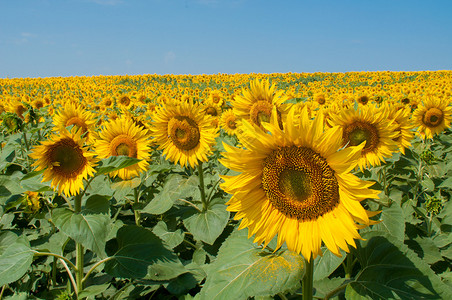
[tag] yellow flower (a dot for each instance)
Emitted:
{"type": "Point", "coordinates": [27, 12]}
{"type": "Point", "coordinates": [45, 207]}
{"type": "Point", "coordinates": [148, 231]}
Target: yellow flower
{"type": "Point", "coordinates": [73, 115]}
{"type": "Point", "coordinates": [371, 125]}
{"type": "Point", "coordinates": [65, 161]}
{"type": "Point", "coordinates": [122, 136]}
{"type": "Point", "coordinates": [404, 127]}
{"type": "Point", "coordinates": [432, 117]}
{"type": "Point", "coordinates": [228, 121]}
{"type": "Point", "coordinates": [296, 184]}
{"type": "Point", "coordinates": [184, 132]}
{"type": "Point", "coordinates": [256, 104]}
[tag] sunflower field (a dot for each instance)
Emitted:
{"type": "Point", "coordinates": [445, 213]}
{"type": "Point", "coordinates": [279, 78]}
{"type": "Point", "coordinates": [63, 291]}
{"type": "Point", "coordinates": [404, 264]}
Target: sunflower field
{"type": "Point", "coordinates": [244, 186]}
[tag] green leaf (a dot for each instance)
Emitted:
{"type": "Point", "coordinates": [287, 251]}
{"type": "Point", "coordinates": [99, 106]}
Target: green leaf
{"type": "Point", "coordinates": [93, 290]}
{"type": "Point", "coordinates": [114, 163]}
{"type": "Point", "coordinates": [142, 254]}
{"type": "Point", "coordinates": [100, 185]}
{"type": "Point", "coordinates": [176, 186]}
{"type": "Point", "coordinates": [207, 226]}
{"type": "Point", "coordinates": [242, 270]}
{"type": "Point", "coordinates": [392, 222]}
{"type": "Point", "coordinates": [428, 184]}
{"type": "Point", "coordinates": [88, 228]}
{"type": "Point", "coordinates": [391, 270]}
{"type": "Point", "coordinates": [15, 257]}
{"type": "Point", "coordinates": [327, 264]}
{"type": "Point", "coordinates": [171, 238]}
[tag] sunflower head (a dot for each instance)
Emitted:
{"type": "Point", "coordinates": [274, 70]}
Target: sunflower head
{"type": "Point", "coordinates": [73, 115]}
{"type": "Point", "coordinates": [295, 183]}
{"type": "Point", "coordinates": [256, 103]}
{"type": "Point", "coordinates": [229, 122]}
{"type": "Point", "coordinates": [123, 136]}
{"type": "Point", "coordinates": [432, 117]}
{"type": "Point", "coordinates": [372, 127]}
{"type": "Point", "coordinates": [184, 132]}
{"type": "Point", "coordinates": [65, 161]}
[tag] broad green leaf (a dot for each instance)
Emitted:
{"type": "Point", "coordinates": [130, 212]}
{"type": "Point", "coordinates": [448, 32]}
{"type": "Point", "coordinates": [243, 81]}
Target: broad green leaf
{"type": "Point", "coordinates": [93, 290]}
{"type": "Point", "coordinates": [100, 185]}
{"type": "Point", "coordinates": [392, 222]}
{"type": "Point", "coordinates": [391, 271]}
{"type": "Point", "coordinates": [327, 264]}
{"type": "Point", "coordinates": [171, 238]}
{"type": "Point", "coordinates": [114, 163]}
{"type": "Point", "coordinates": [428, 184]}
{"type": "Point", "coordinates": [207, 226]}
{"type": "Point", "coordinates": [243, 269]}
{"type": "Point", "coordinates": [326, 286]}
{"type": "Point", "coordinates": [175, 187]}
{"type": "Point", "coordinates": [425, 249]}
{"type": "Point", "coordinates": [88, 228]}
{"type": "Point", "coordinates": [141, 254]}
{"type": "Point", "coordinates": [15, 257]}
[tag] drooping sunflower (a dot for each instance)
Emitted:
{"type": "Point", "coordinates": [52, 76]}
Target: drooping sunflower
{"type": "Point", "coordinates": [122, 136]}
{"type": "Point", "coordinates": [184, 132]}
{"type": "Point", "coordinates": [371, 125]}
{"type": "Point", "coordinates": [65, 160]}
{"type": "Point", "coordinates": [71, 114]}
{"type": "Point", "coordinates": [256, 103]}
{"type": "Point", "coordinates": [432, 116]}
{"type": "Point", "coordinates": [296, 184]}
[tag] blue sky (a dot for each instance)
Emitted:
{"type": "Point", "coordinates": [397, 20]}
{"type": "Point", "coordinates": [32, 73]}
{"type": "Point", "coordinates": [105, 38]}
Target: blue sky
{"type": "Point", "coordinates": [46, 38]}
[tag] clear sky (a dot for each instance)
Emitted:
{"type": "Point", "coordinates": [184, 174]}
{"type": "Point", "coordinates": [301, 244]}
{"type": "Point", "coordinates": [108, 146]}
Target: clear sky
{"type": "Point", "coordinates": [44, 38]}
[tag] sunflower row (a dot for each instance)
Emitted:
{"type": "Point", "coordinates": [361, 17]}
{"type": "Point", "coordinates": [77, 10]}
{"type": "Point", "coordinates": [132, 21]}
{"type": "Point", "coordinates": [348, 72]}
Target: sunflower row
{"type": "Point", "coordinates": [294, 156]}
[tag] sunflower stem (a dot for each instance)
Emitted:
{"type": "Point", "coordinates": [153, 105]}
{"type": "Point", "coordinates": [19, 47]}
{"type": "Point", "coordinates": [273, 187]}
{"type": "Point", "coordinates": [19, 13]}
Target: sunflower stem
{"type": "Point", "coordinates": [308, 279]}
{"type": "Point", "coordinates": [135, 210]}
{"type": "Point", "coordinates": [201, 187]}
{"type": "Point", "coordinates": [79, 249]}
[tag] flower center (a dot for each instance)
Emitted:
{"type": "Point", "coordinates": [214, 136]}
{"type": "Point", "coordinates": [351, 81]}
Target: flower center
{"type": "Point", "coordinates": [433, 117]}
{"type": "Point", "coordinates": [184, 132]}
{"type": "Point", "coordinates": [300, 183]}
{"type": "Point", "coordinates": [124, 100]}
{"type": "Point", "coordinates": [231, 123]}
{"type": "Point", "coordinates": [211, 111]}
{"type": "Point", "coordinates": [216, 98]}
{"type": "Point", "coordinates": [356, 133]}
{"type": "Point", "coordinates": [123, 145]}
{"type": "Point", "coordinates": [261, 111]}
{"type": "Point", "coordinates": [76, 121]}
{"type": "Point", "coordinates": [67, 158]}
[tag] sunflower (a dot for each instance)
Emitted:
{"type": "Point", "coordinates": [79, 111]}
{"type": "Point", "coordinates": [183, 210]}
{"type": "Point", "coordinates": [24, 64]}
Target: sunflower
{"type": "Point", "coordinates": [401, 116]}
{"type": "Point", "coordinates": [256, 104]}
{"type": "Point", "coordinates": [72, 115]}
{"type": "Point", "coordinates": [124, 101]}
{"type": "Point", "coordinates": [432, 117]}
{"type": "Point", "coordinates": [122, 136]}
{"type": "Point", "coordinates": [184, 132]}
{"type": "Point", "coordinates": [65, 161]}
{"type": "Point", "coordinates": [369, 124]}
{"type": "Point", "coordinates": [296, 184]}
{"type": "Point", "coordinates": [228, 121]}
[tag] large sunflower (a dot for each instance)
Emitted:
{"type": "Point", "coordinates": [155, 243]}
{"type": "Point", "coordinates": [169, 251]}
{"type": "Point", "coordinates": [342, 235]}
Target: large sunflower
{"type": "Point", "coordinates": [123, 136]}
{"type": "Point", "coordinates": [371, 125]}
{"type": "Point", "coordinates": [256, 103]}
{"type": "Point", "coordinates": [65, 161]}
{"type": "Point", "coordinates": [432, 117]}
{"type": "Point", "coordinates": [184, 132]}
{"type": "Point", "coordinates": [73, 115]}
{"type": "Point", "coordinates": [296, 184]}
